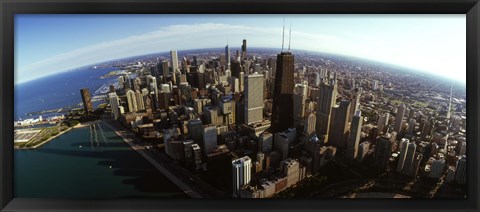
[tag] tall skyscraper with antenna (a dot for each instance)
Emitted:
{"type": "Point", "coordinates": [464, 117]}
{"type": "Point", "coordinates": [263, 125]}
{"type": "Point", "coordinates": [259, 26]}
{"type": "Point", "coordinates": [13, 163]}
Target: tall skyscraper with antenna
{"type": "Point", "coordinates": [290, 37]}
{"type": "Point", "coordinates": [282, 111]}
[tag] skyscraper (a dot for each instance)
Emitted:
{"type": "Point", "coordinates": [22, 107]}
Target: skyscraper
{"type": "Point", "coordinates": [139, 99]}
{"type": "Point", "coordinates": [355, 99]}
{"type": "Point", "coordinates": [114, 105]}
{"type": "Point", "coordinates": [244, 49]}
{"type": "Point", "coordinates": [298, 107]}
{"type": "Point", "coordinates": [337, 133]}
{"type": "Point", "coordinates": [241, 173]}
{"type": "Point", "coordinates": [461, 170]}
{"type": "Point", "coordinates": [174, 60]}
{"type": "Point", "coordinates": [111, 88]}
{"type": "Point", "coordinates": [153, 85]}
{"type": "Point", "coordinates": [399, 118]}
{"type": "Point", "coordinates": [403, 154]}
{"type": "Point", "coordinates": [354, 138]}
{"type": "Point", "coordinates": [253, 98]}
{"type": "Point", "coordinates": [261, 160]}
{"type": "Point", "coordinates": [195, 130]}
{"type": "Point", "coordinates": [326, 100]}
{"type": "Point", "coordinates": [242, 81]}
{"type": "Point", "coordinates": [87, 101]}
{"type": "Point", "coordinates": [382, 122]}
{"type": "Point", "coordinates": [281, 144]}
{"type": "Point", "coordinates": [131, 101]}
{"type": "Point", "coordinates": [383, 150]}
{"type": "Point", "coordinates": [236, 68]}
{"type": "Point", "coordinates": [197, 156]}
{"type": "Point", "coordinates": [197, 80]}
{"type": "Point", "coordinates": [411, 126]}
{"type": "Point", "coordinates": [282, 111]}
{"type": "Point", "coordinates": [227, 56]}
{"type": "Point", "coordinates": [165, 70]}
{"type": "Point", "coordinates": [309, 125]}
{"type": "Point", "coordinates": [121, 81]}
{"type": "Point", "coordinates": [409, 158]}
{"type": "Point", "coordinates": [145, 96]}
{"type": "Point", "coordinates": [209, 141]}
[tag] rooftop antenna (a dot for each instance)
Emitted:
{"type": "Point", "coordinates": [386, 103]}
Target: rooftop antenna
{"type": "Point", "coordinates": [283, 33]}
{"type": "Point", "coordinates": [290, 38]}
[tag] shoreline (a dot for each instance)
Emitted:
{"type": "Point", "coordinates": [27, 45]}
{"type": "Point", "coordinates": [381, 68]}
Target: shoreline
{"type": "Point", "coordinates": [185, 188]}
{"type": "Point", "coordinates": [44, 142]}
{"type": "Point", "coordinates": [81, 125]}
{"type": "Point", "coordinates": [86, 124]}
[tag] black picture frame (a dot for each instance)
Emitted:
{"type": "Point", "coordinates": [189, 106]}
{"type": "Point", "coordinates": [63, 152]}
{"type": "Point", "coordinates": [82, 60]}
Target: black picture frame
{"type": "Point", "coordinates": [8, 9]}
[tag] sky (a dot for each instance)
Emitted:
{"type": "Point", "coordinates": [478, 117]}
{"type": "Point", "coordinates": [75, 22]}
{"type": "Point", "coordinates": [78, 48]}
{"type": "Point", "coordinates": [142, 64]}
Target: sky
{"type": "Point", "coordinates": [47, 44]}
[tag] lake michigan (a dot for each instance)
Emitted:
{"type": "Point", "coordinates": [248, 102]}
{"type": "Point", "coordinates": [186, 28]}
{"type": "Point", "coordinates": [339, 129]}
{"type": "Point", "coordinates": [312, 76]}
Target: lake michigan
{"type": "Point", "coordinates": [90, 162]}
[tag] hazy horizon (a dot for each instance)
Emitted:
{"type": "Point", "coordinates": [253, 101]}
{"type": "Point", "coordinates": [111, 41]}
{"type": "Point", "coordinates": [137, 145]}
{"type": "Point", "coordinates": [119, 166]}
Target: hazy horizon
{"type": "Point", "coordinates": [50, 44]}
{"type": "Point", "coordinates": [232, 48]}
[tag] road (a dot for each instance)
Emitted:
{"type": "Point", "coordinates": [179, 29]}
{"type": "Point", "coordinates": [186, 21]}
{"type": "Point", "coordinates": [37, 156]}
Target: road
{"type": "Point", "coordinates": [185, 180]}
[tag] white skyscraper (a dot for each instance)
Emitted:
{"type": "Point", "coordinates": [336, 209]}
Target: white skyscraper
{"type": "Point", "coordinates": [309, 125]}
{"type": "Point", "coordinates": [114, 104]}
{"type": "Point", "coordinates": [153, 85]}
{"type": "Point", "coordinates": [132, 101]}
{"type": "Point", "coordinates": [241, 173]}
{"type": "Point", "coordinates": [174, 60]}
{"type": "Point", "coordinates": [253, 98]}
{"type": "Point", "coordinates": [121, 80]}
{"type": "Point", "coordinates": [235, 85]}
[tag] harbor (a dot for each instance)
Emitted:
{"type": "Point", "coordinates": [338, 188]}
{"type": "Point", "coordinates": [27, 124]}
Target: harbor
{"type": "Point", "coordinates": [118, 170]}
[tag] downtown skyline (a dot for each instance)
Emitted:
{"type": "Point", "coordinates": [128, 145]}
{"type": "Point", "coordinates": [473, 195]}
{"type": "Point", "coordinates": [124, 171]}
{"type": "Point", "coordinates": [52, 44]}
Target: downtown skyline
{"type": "Point", "coordinates": [273, 125]}
{"type": "Point", "coordinates": [49, 44]}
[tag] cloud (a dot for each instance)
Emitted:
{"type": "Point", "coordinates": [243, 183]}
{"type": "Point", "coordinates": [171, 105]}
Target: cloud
{"type": "Point", "coordinates": [411, 49]}
{"type": "Point", "coordinates": [205, 35]}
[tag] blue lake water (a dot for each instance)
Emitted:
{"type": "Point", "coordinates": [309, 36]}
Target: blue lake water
{"type": "Point", "coordinates": [57, 91]}
{"type": "Point", "coordinates": [90, 162]}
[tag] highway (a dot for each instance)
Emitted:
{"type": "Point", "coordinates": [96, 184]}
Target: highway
{"type": "Point", "coordinates": [191, 184]}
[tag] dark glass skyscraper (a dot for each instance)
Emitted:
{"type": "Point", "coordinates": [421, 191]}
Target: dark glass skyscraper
{"type": "Point", "coordinates": [338, 130]}
{"type": "Point", "coordinates": [383, 150]}
{"type": "Point", "coordinates": [282, 111]}
{"type": "Point", "coordinates": [244, 49]}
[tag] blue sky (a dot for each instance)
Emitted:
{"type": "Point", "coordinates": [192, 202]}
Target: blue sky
{"type": "Point", "coordinates": [48, 44]}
